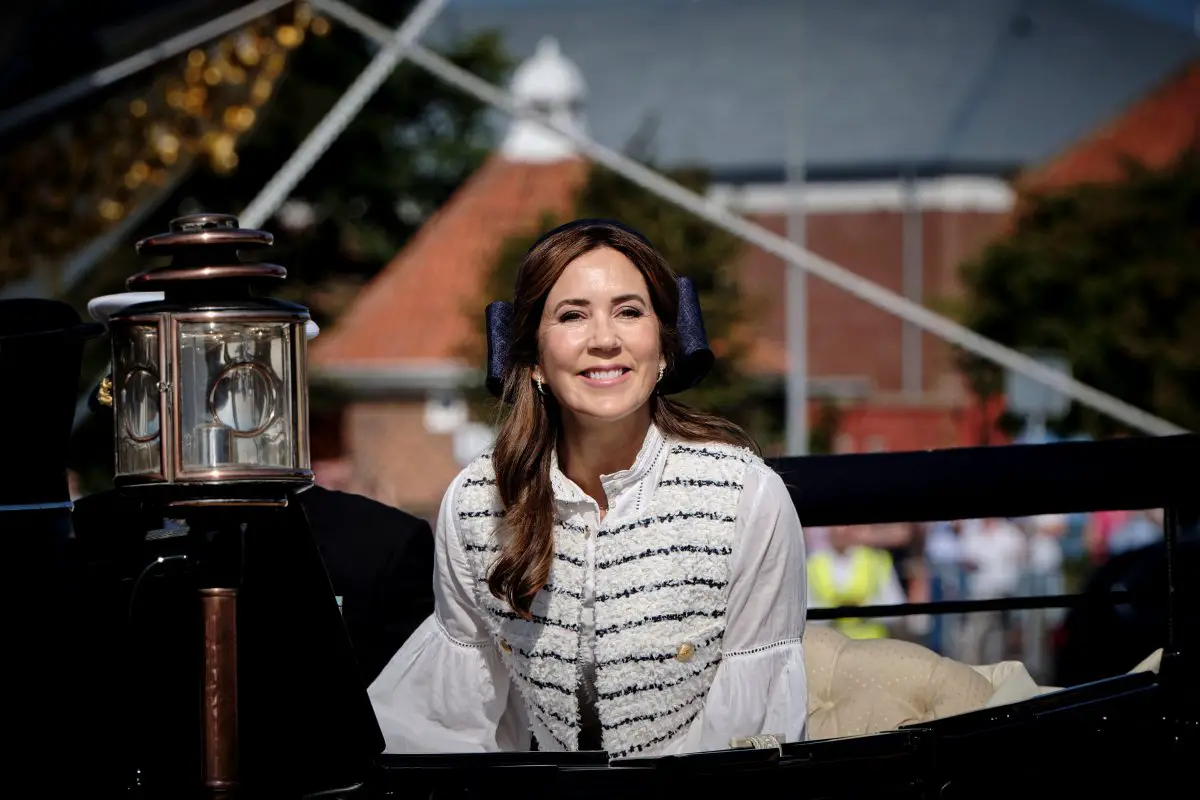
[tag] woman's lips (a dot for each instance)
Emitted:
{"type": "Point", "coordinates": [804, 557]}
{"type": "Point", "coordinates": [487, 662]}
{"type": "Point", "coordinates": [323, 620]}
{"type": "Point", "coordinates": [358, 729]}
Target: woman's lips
{"type": "Point", "coordinates": [603, 378]}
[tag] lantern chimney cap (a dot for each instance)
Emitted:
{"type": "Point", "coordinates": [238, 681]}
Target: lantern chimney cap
{"type": "Point", "coordinates": [204, 248]}
{"type": "Point", "coordinates": [210, 231]}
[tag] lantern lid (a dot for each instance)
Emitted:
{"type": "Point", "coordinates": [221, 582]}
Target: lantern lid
{"type": "Point", "coordinates": [204, 250]}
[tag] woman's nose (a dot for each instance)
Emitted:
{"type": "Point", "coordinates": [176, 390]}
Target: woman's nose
{"type": "Point", "coordinates": [604, 334]}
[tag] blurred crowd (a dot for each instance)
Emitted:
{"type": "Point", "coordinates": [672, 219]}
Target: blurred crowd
{"type": "Point", "coordinates": [969, 560]}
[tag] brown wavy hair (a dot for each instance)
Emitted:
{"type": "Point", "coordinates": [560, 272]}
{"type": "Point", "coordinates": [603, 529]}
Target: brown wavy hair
{"type": "Point", "coordinates": [524, 447]}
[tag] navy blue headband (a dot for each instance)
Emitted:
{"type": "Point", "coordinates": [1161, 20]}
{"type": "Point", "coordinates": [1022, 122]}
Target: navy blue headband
{"type": "Point", "coordinates": [691, 363]}
{"type": "Point", "coordinates": [591, 222]}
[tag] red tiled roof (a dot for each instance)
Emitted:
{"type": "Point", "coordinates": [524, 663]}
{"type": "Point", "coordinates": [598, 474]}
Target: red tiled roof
{"type": "Point", "coordinates": [415, 309]}
{"type": "Point", "coordinates": [1153, 131]}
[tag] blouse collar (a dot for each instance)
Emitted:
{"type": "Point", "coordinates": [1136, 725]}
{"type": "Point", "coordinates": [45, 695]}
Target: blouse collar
{"type": "Point", "coordinates": [614, 483]}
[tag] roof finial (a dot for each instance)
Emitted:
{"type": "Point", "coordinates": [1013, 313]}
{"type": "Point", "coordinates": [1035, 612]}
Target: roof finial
{"type": "Point", "coordinates": [551, 84]}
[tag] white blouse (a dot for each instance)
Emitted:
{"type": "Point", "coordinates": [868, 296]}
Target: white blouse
{"type": "Point", "coordinates": [447, 691]}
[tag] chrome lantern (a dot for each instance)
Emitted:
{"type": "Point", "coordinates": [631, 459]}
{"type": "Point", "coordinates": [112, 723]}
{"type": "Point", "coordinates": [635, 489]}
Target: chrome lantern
{"type": "Point", "coordinates": [209, 384]}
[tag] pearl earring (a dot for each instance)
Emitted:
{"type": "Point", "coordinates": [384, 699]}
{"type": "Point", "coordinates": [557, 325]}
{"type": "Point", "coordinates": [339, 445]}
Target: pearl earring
{"type": "Point", "coordinates": [538, 381]}
{"type": "Point", "coordinates": [661, 369]}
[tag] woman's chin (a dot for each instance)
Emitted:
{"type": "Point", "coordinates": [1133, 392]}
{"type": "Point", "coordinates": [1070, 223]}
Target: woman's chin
{"type": "Point", "coordinates": [607, 411]}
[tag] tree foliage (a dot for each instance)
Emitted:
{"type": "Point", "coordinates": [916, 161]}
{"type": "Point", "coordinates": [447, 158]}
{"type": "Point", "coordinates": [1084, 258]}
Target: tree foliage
{"type": "Point", "coordinates": [1108, 275]}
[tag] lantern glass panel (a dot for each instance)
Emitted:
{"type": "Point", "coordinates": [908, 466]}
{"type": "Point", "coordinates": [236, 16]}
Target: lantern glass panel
{"type": "Point", "coordinates": [136, 392]}
{"type": "Point", "coordinates": [235, 396]}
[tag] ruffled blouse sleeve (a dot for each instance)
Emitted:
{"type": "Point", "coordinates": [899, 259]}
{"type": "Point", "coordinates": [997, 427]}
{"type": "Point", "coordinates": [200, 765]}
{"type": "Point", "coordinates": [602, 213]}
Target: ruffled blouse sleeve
{"type": "Point", "coordinates": [446, 689]}
{"type": "Point", "coordinates": [760, 686]}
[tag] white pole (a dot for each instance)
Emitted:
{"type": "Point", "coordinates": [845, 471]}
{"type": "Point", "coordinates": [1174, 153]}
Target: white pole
{"type": "Point", "coordinates": [718, 215]}
{"type": "Point", "coordinates": [797, 294]}
{"type": "Point", "coordinates": [395, 47]}
{"type": "Point", "coordinates": [913, 280]}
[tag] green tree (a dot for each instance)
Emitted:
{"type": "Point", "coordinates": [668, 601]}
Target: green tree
{"type": "Point", "coordinates": [695, 249]}
{"type": "Point", "coordinates": [1108, 275]}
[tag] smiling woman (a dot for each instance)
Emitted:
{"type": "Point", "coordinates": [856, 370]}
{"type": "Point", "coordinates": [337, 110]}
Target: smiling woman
{"type": "Point", "coordinates": [599, 332]}
{"type": "Point", "coordinates": [601, 353]}
{"type": "Point", "coordinates": [621, 572]}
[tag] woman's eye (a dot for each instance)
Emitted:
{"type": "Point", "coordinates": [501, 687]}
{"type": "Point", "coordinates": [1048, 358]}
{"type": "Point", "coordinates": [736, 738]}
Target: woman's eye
{"type": "Point", "coordinates": [630, 313]}
{"type": "Point", "coordinates": [570, 316]}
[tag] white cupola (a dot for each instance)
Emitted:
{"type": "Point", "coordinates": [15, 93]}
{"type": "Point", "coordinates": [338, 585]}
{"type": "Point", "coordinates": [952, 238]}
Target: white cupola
{"type": "Point", "coordinates": [550, 83]}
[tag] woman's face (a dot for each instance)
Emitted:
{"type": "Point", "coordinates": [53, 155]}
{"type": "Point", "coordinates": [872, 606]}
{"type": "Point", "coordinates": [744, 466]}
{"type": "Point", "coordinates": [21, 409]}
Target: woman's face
{"type": "Point", "coordinates": [599, 339]}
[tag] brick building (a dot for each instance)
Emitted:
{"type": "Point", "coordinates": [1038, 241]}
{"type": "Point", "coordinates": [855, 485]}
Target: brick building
{"type": "Point", "coordinates": [898, 389]}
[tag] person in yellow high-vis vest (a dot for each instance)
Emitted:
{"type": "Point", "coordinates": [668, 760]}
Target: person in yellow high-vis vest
{"type": "Point", "coordinates": [848, 574]}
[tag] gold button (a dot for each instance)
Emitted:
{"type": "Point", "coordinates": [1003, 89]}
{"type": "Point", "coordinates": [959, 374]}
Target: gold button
{"type": "Point", "coordinates": [686, 651]}
{"type": "Point", "coordinates": [505, 646]}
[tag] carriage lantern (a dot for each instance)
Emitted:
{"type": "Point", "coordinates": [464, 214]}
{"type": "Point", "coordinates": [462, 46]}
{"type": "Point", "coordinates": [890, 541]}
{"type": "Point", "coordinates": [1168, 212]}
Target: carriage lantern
{"type": "Point", "coordinates": [209, 384]}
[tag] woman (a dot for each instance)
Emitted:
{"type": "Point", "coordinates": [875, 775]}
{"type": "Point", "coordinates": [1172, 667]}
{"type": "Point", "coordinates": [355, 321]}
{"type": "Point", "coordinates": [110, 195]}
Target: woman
{"type": "Point", "coordinates": [620, 572]}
